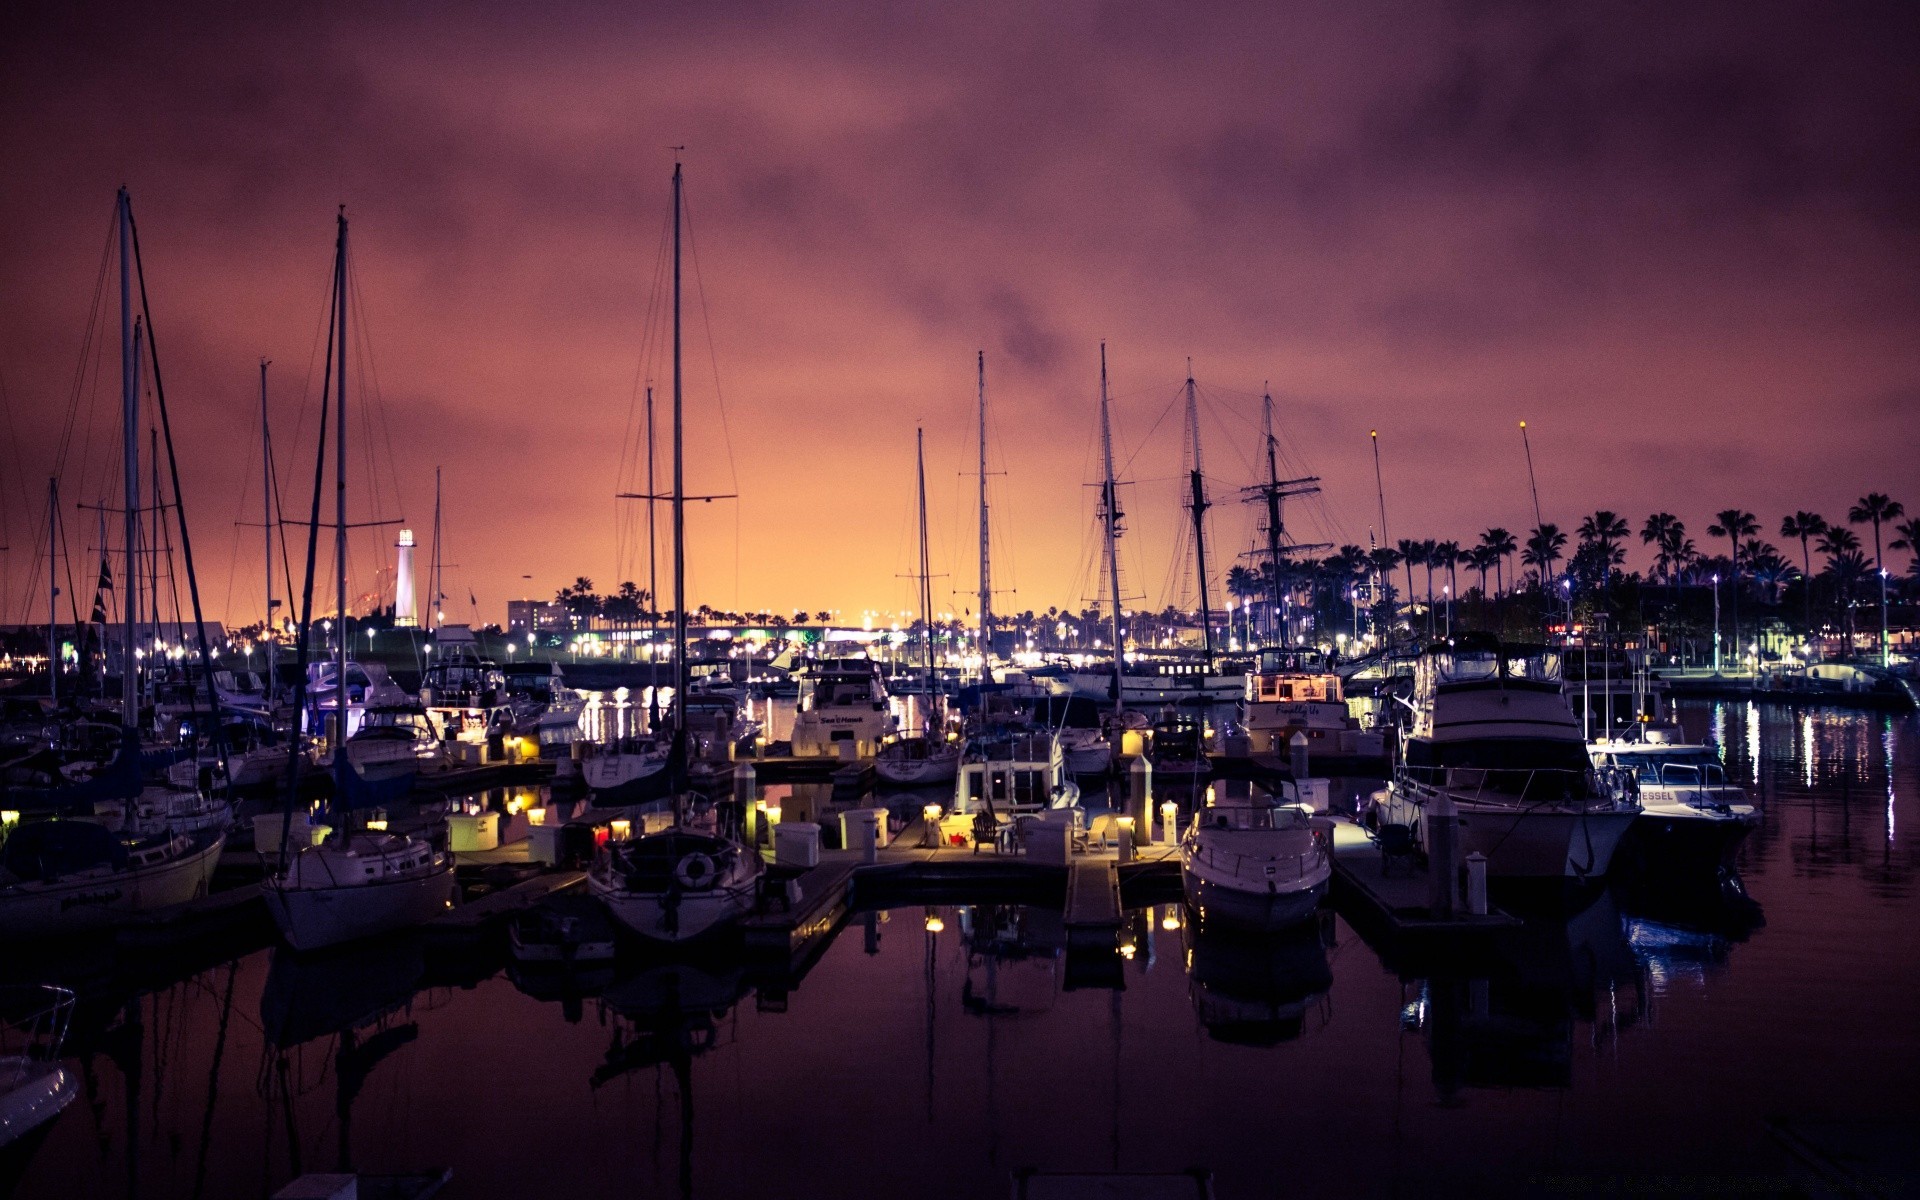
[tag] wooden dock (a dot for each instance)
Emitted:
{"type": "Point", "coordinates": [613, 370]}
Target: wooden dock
{"type": "Point", "coordinates": [792, 928]}
{"type": "Point", "coordinates": [1397, 900]}
{"type": "Point", "coordinates": [1092, 915]}
{"type": "Point", "coordinates": [470, 922]}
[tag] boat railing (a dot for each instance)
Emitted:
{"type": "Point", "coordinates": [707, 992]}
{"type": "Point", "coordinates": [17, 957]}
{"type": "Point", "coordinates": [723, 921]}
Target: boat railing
{"type": "Point", "coordinates": [34, 1019]}
{"type": "Point", "coordinates": [1523, 787]}
{"type": "Point", "coordinates": [1299, 866]}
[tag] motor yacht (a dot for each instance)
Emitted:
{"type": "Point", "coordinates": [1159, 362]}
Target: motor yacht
{"type": "Point", "coordinates": [1254, 860]}
{"type": "Point", "coordinates": [841, 700]}
{"type": "Point", "coordinates": [1692, 817]}
{"type": "Point", "coordinates": [1494, 739]}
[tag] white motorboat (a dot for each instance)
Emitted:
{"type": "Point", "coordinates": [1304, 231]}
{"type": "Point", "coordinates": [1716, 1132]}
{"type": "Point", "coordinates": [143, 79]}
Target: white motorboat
{"type": "Point", "coordinates": [677, 885]}
{"type": "Point", "coordinates": [627, 772]}
{"type": "Point", "coordinates": [1692, 817]}
{"type": "Point", "coordinates": [1154, 681]}
{"type": "Point", "coordinates": [1078, 724]}
{"type": "Point", "coordinates": [1296, 692]}
{"type": "Point", "coordinates": [1493, 734]}
{"type": "Point", "coordinates": [1013, 770]}
{"type": "Point", "coordinates": [715, 722]}
{"type": "Point", "coordinates": [359, 886]}
{"type": "Point", "coordinates": [63, 877]}
{"type": "Point", "coordinates": [917, 759]}
{"type": "Point", "coordinates": [1254, 861]}
{"type": "Point", "coordinates": [34, 1086]}
{"type": "Point", "coordinates": [841, 700]}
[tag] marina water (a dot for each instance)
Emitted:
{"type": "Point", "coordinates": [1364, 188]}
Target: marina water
{"type": "Point", "coordinates": [1641, 1043]}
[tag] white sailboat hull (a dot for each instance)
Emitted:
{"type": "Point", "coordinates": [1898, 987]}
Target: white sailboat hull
{"type": "Point", "coordinates": [311, 918]}
{"type": "Point", "coordinates": [101, 900]}
{"type": "Point", "coordinates": [688, 916]}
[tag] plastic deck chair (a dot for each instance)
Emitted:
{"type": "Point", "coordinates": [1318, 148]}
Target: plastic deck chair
{"type": "Point", "coordinates": [1105, 832]}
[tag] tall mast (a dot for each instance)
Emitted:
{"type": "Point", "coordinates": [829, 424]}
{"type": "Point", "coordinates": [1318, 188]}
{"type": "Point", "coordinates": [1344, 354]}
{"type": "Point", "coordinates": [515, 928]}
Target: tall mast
{"type": "Point", "coordinates": [53, 593]}
{"type": "Point", "coordinates": [653, 539]}
{"type": "Point", "coordinates": [340, 764]}
{"type": "Point", "coordinates": [266, 520]}
{"type": "Point", "coordinates": [130, 463]}
{"type": "Point", "coordinates": [1111, 514]}
{"type": "Point", "coordinates": [986, 554]}
{"type": "Point", "coordinates": [926, 579]}
{"type": "Point", "coordinates": [433, 561]}
{"type": "Point", "coordinates": [1198, 504]}
{"type": "Point", "coordinates": [1273, 495]}
{"type": "Point", "coordinates": [677, 760]}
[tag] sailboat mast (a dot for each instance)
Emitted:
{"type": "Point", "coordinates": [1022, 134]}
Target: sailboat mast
{"type": "Point", "coordinates": [53, 593]}
{"type": "Point", "coordinates": [1276, 528]}
{"type": "Point", "coordinates": [926, 577]}
{"type": "Point", "coordinates": [130, 464]}
{"type": "Point", "coordinates": [986, 552]}
{"type": "Point", "coordinates": [437, 583]}
{"type": "Point", "coordinates": [1199, 505]}
{"type": "Point", "coordinates": [266, 521]}
{"type": "Point", "coordinates": [677, 760]}
{"type": "Point", "coordinates": [340, 765]}
{"type": "Point", "coordinates": [1110, 510]}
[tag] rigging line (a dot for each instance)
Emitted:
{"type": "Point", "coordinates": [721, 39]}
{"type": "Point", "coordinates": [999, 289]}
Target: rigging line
{"type": "Point", "coordinates": [87, 352]}
{"type": "Point", "coordinates": [706, 321]}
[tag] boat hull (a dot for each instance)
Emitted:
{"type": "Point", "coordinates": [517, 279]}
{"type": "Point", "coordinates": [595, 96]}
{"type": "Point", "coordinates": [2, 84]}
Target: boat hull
{"type": "Point", "coordinates": [312, 918]}
{"type": "Point", "coordinates": [1540, 843]}
{"type": "Point", "coordinates": [1670, 846]}
{"type": "Point", "coordinates": [1242, 907]}
{"type": "Point", "coordinates": [675, 918]}
{"type": "Point", "coordinates": [94, 902]}
{"type": "Point", "coordinates": [34, 1093]}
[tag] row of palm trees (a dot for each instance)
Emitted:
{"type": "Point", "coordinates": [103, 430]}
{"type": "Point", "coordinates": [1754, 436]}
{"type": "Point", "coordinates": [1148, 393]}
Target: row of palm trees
{"type": "Point", "coordinates": [1599, 556]}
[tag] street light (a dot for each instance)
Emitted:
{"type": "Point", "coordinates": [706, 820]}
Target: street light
{"type": "Point", "coordinates": [1716, 623]}
{"type": "Point", "coordinates": [1883, 618]}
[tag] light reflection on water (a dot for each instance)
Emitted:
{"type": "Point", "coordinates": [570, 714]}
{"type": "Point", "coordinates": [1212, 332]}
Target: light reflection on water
{"type": "Point", "coordinates": [936, 1050]}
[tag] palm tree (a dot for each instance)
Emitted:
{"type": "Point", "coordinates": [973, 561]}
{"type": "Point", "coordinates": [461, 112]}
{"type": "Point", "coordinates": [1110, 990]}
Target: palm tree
{"type": "Point", "coordinates": [1543, 550]}
{"type": "Point", "coordinates": [1501, 544]}
{"type": "Point", "coordinates": [1734, 524]}
{"type": "Point", "coordinates": [1654, 533]}
{"type": "Point", "coordinates": [1429, 558]}
{"type": "Point", "coordinates": [1411, 556]}
{"type": "Point", "coordinates": [1847, 567]}
{"type": "Point", "coordinates": [1876, 507]}
{"type": "Point", "coordinates": [1805, 526]}
{"type": "Point", "coordinates": [1678, 552]}
{"type": "Point", "coordinates": [1909, 539]}
{"type": "Point", "coordinates": [1243, 585]}
{"type": "Point", "coordinates": [1482, 559]}
{"type": "Point", "coordinates": [1604, 529]}
{"type": "Point", "coordinates": [1449, 555]}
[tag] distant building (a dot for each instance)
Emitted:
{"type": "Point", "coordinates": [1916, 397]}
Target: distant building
{"type": "Point", "coordinates": [537, 616]}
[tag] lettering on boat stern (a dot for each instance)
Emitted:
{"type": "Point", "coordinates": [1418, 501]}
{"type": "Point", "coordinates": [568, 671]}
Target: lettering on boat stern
{"type": "Point", "coordinates": [85, 898]}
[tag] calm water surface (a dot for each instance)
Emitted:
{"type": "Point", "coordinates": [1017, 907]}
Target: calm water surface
{"type": "Point", "coordinates": [937, 1051]}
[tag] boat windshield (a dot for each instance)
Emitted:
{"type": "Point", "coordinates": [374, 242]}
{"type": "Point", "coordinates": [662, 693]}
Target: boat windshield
{"type": "Point", "coordinates": [1687, 768]}
{"type": "Point", "coordinates": [1256, 816]}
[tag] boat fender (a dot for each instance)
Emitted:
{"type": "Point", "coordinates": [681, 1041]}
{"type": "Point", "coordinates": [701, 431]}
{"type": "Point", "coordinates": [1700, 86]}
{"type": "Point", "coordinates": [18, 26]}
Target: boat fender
{"type": "Point", "coordinates": [694, 871]}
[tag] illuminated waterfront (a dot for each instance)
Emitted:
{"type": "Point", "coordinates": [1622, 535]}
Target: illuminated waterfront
{"type": "Point", "coordinates": [916, 1062]}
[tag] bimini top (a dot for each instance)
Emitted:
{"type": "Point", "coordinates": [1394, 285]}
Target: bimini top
{"type": "Point", "coordinates": [1473, 658]}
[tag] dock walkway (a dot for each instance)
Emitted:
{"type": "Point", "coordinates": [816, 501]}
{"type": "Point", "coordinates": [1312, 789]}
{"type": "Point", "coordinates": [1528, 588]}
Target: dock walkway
{"type": "Point", "coordinates": [1400, 902]}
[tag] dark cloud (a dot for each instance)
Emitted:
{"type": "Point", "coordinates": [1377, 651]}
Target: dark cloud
{"type": "Point", "coordinates": [1680, 239]}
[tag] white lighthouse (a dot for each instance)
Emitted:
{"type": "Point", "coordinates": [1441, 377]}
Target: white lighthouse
{"type": "Point", "coordinates": [404, 614]}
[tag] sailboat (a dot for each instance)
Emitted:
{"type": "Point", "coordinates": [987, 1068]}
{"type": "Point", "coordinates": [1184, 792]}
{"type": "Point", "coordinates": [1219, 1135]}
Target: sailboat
{"type": "Point", "coordinates": [678, 884]}
{"type": "Point", "coordinates": [1160, 680]}
{"type": "Point", "coordinates": [922, 757]}
{"type": "Point", "coordinates": [63, 875]}
{"type": "Point", "coordinates": [358, 883]}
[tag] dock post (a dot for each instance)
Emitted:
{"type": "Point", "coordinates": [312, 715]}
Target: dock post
{"type": "Point", "coordinates": [1169, 822]}
{"type": "Point", "coordinates": [1297, 752]}
{"type": "Point", "coordinates": [1443, 855]}
{"type": "Point", "coordinates": [745, 792]}
{"type": "Point", "coordinates": [1477, 884]}
{"type": "Point", "coordinates": [1140, 798]}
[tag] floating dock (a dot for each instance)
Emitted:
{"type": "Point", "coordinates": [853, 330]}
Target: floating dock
{"type": "Point", "coordinates": [1395, 897]}
{"type": "Point", "coordinates": [469, 922]}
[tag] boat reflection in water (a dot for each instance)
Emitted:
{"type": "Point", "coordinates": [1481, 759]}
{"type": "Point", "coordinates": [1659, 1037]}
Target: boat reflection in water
{"type": "Point", "coordinates": [359, 997]}
{"type": "Point", "coordinates": [1513, 1022]}
{"type": "Point", "coordinates": [664, 1017]}
{"type": "Point", "coordinates": [1257, 989]}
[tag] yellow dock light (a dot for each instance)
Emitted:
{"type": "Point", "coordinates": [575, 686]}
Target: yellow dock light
{"type": "Point", "coordinates": [620, 828]}
{"type": "Point", "coordinates": [377, 824]}
{"type": "Point", "coordinates": [934, 923]}
{"type": "Point", "coordinates": [537, 816]}
{"type": "Point", "coordinates": [1171, 920]}
{"type": "Point", "coordinates": [773, 814]}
